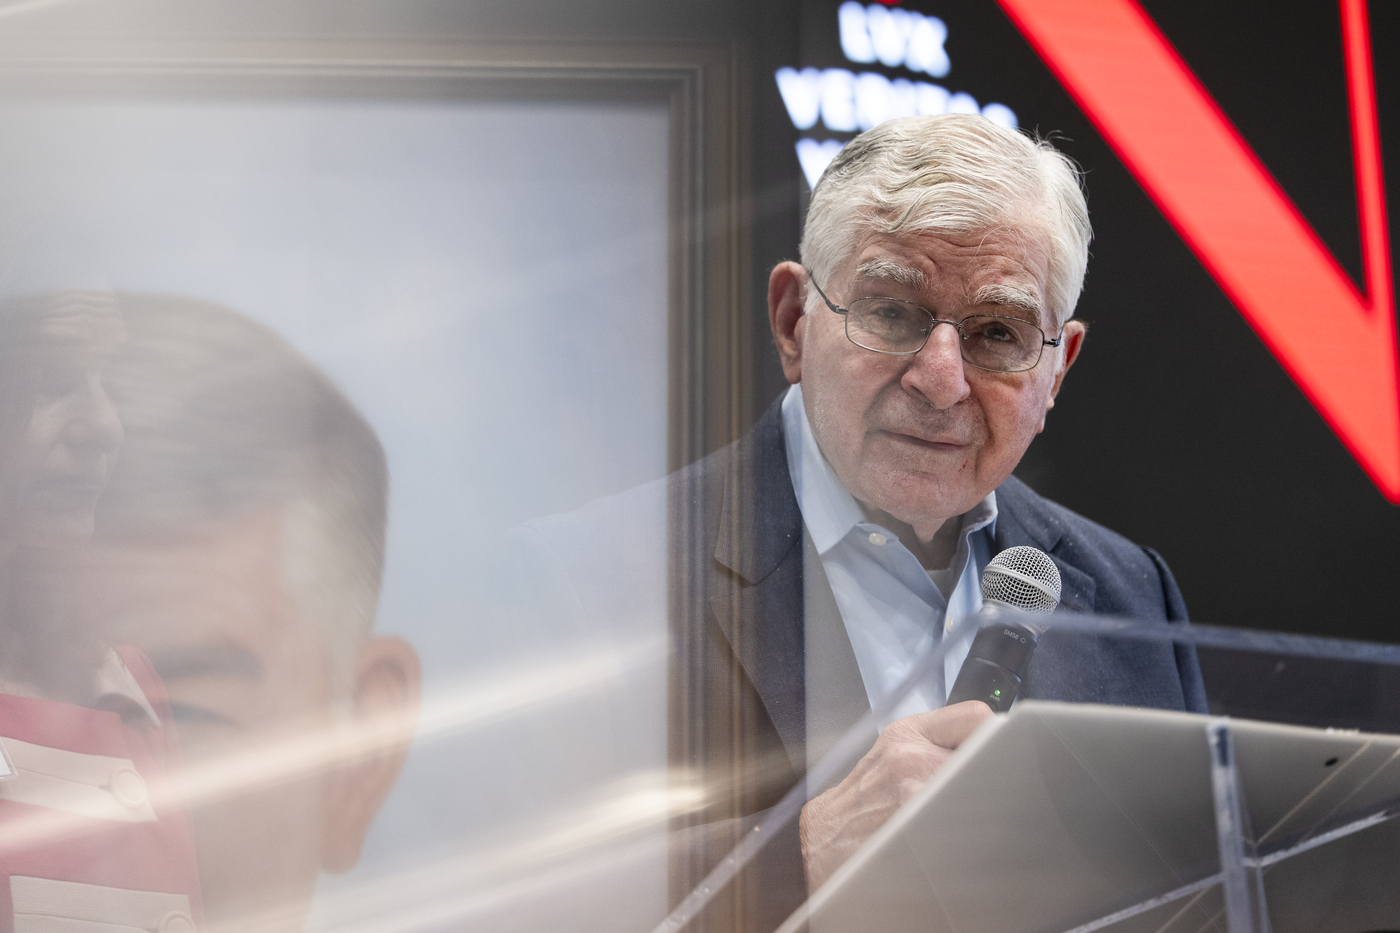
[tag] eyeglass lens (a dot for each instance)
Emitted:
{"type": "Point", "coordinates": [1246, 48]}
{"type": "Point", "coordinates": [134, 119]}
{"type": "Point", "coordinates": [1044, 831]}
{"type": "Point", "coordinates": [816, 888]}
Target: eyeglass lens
{"type": "Point", "coordinates": [1001, 344]}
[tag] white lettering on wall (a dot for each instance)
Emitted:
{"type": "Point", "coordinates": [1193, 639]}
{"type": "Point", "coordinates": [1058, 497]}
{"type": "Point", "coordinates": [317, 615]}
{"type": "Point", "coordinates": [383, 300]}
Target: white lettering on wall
{"type": "Point", "coordinates": [802, 95]}
{"type": "Point", "coordinates": [838, 92]}
{"type": "Point", "coordinates": [815, 157]}
{"type": "Point", "coordinates": [893, 37]}
{"type": "Point", "coordinates": [962, 103]}
{"type": "Point", "coordinates": [1000, 113]}
{"type": "Point", "coordinates": [846, 102]}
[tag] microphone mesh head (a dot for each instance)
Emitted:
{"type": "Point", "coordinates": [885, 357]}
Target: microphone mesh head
{"type": "Point", "coordinates": [1022, 578]}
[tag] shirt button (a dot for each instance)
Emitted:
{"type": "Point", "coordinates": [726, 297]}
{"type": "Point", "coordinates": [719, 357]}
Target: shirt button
{"type": "Point", "coordinates": [176, 922]}
{"type": "Point", "coordinates": [948, 624]}
{"type": "Point", "coordinates": [128, 788]}
{"type": "Point", "coordinates": [877, 539]}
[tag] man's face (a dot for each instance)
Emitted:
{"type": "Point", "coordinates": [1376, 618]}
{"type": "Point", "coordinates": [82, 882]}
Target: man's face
{"type": "Point", "coordinates": [248, 680]}
{"type": "Point", "coordinates": [52, 474]}
{"type": "Point", "coordinates": [926, 436]}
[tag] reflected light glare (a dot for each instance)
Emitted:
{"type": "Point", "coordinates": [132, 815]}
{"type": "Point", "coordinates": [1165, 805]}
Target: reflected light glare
{"type": "Point", "coordinates": [309, 752]}
{"type": "Point", "coordinates": [27, 6]}
{"type": "Point", "coordinates": [305, 752]}
{"type": "Point", "coordinates": [612, 835]}
{"type": "Point", "coordinates": [477, 704]}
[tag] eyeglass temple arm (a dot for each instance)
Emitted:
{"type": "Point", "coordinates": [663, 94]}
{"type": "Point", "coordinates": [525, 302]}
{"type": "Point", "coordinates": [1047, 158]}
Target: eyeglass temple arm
{"type": "Point", "coordinates": [828, 301]}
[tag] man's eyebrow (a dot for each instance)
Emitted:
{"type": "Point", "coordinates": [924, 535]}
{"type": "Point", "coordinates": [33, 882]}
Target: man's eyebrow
{"type": "Point", "coordinates": [892, 271]}
{"type": "Point", "coordinates": [1018, 297]}
{"type": "Point", "coordinates": [207, 661]}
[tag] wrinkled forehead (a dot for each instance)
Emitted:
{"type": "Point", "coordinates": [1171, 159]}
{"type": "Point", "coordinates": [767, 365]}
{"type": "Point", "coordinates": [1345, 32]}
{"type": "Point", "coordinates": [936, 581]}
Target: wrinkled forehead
{"type": "Point", "coordinates": [1004, 265]}
{"type": "Point", "coordinates": [197, 578]}
{"type": "Point", "coordinates": [93, 321]}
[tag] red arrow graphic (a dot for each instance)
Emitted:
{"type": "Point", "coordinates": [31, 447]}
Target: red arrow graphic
{"type": "Point", "coordinates": [1337, 344]}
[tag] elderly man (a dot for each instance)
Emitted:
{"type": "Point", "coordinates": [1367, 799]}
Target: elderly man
{"type": "Point", "coordinates": [927, 333]}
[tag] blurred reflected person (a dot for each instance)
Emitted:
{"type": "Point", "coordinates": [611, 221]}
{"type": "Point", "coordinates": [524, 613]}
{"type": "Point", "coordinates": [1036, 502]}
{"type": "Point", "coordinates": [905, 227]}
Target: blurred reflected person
{"type": "Point", "coordinates": [89, 833]}
{"type": "Point", "coordinates": [241, 545]}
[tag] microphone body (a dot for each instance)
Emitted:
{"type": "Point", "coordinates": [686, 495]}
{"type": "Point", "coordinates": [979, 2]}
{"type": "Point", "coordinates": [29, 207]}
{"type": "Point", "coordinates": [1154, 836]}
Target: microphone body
{"type": "Point", "coordinates": [995, 664]}
{"type": "Point", "coordinates": [1022, 578]}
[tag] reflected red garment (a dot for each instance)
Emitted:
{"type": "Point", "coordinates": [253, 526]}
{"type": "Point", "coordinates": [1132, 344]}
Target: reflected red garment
{"type": "Point", "coordinates": [57, 843]}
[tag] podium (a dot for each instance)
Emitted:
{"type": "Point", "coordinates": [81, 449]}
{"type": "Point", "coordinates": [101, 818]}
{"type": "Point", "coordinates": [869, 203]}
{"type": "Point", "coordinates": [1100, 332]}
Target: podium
{"type": "Point", "coordinates": [1084, 818]}
{"type": "Point", "coordinates": [1077, 818]}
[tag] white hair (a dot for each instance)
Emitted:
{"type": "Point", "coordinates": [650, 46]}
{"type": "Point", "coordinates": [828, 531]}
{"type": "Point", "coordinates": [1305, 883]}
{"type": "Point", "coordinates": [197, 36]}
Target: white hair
{"type": "Point", "coordinates": [954, 174]}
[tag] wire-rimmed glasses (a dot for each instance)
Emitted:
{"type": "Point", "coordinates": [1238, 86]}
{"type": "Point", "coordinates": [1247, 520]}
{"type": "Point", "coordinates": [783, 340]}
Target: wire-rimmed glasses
{"type": "Point", "coordinates": [992, 342]}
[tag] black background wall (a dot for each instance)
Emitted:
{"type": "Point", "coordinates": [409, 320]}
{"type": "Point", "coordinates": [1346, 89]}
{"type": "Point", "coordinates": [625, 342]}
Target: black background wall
{"type": "Point", "coordinates": [1177, 427]}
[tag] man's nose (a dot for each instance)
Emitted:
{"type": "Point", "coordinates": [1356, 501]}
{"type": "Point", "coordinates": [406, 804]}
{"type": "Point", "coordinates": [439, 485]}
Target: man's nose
{"type": "Point", "coordinates": [95, 426]}
{"type": "Point", "coordinates": [937, 372]}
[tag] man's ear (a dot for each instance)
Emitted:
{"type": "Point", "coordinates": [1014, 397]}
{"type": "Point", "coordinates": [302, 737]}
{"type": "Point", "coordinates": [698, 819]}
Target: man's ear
{"type": "Point", "coordinates": [384, 700]}
{"type": "Point", "coordinates": [1073, 342]}
{"type": "Point", "coordinates": [787, 300]}
{"type": "Point", "coordinates": [1073, 335]}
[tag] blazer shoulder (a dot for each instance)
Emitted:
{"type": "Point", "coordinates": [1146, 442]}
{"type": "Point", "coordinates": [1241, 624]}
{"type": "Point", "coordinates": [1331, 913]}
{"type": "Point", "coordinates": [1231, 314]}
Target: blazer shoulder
{"type": "Point", "coordinates": [761, 452]}
{"type": "Point", "coordinates": [1130, 580]}
{"type": "Point", "coordinates": [1047, 520]}
{"type": "Point", "coordinates": [738, 503]}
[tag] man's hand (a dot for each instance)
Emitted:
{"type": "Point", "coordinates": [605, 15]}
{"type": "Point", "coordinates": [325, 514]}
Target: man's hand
{"type": "Point", "coordinates": [909, 751]}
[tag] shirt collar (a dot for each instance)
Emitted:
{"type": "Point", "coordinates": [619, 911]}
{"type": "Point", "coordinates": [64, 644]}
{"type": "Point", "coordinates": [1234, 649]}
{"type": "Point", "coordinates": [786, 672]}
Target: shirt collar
{"type": "Point", "coordinates": [828, 510]}
{"type": "Point", "coordinates": [982, 515]}
{"type": "Point", "coordinates": [118, 691]}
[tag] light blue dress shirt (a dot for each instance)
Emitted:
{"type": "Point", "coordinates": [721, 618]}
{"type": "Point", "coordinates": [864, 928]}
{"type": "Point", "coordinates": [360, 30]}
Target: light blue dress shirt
{"type": "Point", "coordinates": [892, 608]}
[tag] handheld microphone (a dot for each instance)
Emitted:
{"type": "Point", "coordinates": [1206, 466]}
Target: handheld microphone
{"type": "Point", "coordinates": [1023, 578]}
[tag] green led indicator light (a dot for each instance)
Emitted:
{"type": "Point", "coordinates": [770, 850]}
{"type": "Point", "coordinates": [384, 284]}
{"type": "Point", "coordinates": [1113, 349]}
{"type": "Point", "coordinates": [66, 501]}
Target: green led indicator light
{"type": "Point", "coordinates": [996, 693]}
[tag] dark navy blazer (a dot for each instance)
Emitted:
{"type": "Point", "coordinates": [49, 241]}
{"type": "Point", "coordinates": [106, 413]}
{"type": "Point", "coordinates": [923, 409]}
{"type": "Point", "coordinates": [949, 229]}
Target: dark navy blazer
{"type": "Point", "coordinates": [738, 702]}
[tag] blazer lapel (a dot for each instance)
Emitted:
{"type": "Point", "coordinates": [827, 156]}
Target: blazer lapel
{"type": "Point", "coordinates": [760, 607]}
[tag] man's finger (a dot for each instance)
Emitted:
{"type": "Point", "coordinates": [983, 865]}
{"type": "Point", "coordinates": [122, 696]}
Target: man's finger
{"type": "Point", "coordinates": [950, 726]}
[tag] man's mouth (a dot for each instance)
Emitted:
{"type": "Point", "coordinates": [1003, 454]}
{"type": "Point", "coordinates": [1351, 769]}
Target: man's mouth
{"type": "Point", "coordinates": [930, 441]}
{"type": "Point", "coordinates": [67, 492]}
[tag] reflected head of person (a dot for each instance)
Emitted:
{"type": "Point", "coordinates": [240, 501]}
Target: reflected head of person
{"type": "Point", "coordinates": [59, 438]}
{"type": "Point", "coordinates": [241, 546]}
{"type": "Point", "coordinates": [83, 722]}
{"type": "Point", "coordinates": [60, 431]}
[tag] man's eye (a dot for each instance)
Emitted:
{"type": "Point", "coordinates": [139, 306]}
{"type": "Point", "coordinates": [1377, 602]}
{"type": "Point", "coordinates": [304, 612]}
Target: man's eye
{"type": "Point", "coordinates": [890, 312]}
{"type": "Point", "coordinates": [992, 331]}
{"type": "Point", "coordinates": [186, 714]}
